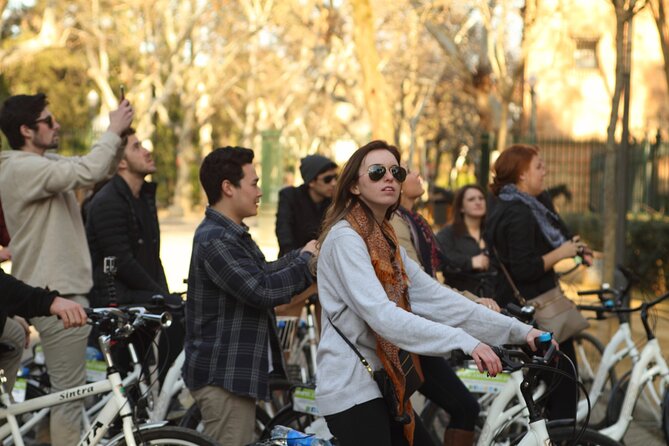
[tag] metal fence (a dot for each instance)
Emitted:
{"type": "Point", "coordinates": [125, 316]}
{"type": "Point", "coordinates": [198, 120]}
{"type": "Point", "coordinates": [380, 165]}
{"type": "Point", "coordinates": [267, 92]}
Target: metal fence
{"type": "Point", "coordinates": [579, 165]}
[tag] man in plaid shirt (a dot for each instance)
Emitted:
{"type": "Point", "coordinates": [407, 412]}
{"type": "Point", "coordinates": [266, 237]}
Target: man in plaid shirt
{"type": "Point", "coordinates": [231, 339]}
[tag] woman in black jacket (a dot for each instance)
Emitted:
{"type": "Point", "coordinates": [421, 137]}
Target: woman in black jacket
{"type": "Point", "coordinates": [466, 258]}
{"type": "Point", "coordinates": [530, 238]}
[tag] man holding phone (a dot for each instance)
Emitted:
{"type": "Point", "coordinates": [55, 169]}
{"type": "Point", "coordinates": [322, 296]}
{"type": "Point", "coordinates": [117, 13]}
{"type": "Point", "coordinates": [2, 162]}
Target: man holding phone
{"type": "Point", "coordinates": [48, 241]}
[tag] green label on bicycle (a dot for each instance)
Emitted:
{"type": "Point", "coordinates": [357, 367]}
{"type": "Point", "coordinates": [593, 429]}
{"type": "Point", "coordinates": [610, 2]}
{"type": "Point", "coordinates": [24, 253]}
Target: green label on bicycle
{"type": "Point", "coordinates": [19, 390]}
{"type": "Point", "coordinates": [480, 382]}
{"type": "Point", "coordinates": [304, 400]}
{"type": "Point", "coordinates": [95, 370]}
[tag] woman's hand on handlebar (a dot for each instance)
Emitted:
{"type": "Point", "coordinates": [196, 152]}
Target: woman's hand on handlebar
{"type": "Point", "coordinates": [486, 359]}
{"type": "Point", "coordinates": [533, 334]}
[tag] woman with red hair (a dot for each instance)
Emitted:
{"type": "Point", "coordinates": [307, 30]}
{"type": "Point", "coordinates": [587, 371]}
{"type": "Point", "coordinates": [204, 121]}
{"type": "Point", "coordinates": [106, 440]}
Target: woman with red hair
{"type": "Point", "coordinates": [529, 238]}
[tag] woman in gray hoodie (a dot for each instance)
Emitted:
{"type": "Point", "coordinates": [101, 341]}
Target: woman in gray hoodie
{"type": "Point", "coordinates": [379, 302]}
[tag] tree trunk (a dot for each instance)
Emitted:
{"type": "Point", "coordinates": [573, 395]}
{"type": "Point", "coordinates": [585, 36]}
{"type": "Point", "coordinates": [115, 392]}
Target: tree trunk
{"type": "Point", "coordinates": [660, 10]}
{"type": "Point", "coordinates": [374, 85]}
{"type": "Point", "coordinates": [610, 214]}
{"type": "Point", "coordinates": [183, 190]}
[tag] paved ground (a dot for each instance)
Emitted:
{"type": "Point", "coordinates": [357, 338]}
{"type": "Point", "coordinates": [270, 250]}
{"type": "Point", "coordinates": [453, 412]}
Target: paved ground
{"type": "Point", "coordinates": [176, 247]}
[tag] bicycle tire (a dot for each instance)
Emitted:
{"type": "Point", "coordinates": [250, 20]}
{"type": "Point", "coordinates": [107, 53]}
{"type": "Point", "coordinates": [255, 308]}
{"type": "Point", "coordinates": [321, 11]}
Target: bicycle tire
{"type": "Point", "coordinates": [589, 359]}
{"type": "Point", "coordinates": [169, 436]}
{"type": "Point", "coordinates": [565, 436]}
{"type": "Point", "coordinates": [589, 351]}
{"type": "Point", "coordinates": [657, 411]}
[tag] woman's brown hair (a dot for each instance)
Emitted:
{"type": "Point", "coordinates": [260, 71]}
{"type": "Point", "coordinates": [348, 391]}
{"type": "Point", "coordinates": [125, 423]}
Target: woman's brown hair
{"type": "Point", "coordinates": [459, 226]}
{"type": "Point", "coordinates": [343, 199]}
{"type": "Point", "coordinates": [512, 162]}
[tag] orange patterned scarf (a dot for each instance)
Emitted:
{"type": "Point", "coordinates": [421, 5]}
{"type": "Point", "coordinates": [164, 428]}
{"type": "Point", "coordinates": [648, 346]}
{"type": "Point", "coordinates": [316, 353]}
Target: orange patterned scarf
{"type": "Point", "coordinates": [384, 250]}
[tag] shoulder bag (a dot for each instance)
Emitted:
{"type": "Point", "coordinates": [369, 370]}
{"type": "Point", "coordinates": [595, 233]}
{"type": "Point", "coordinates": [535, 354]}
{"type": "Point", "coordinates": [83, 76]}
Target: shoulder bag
{"type": "Point", "coordinates": [554, 311]}
{"type": "Point", "coordinates": [382, 379]}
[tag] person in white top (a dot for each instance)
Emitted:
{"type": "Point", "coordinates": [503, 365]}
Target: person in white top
{"type": "Point", "coordinates": [386, 306]}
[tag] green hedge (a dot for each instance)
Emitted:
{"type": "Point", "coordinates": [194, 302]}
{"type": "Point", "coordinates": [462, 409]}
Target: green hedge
{"type": "Point", "coordinates": [646, 241]}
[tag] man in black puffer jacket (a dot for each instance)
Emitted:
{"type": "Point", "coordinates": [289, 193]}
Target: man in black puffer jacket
{"type": "Point", "coordinates": [122, 222]}
{"type": "Point", "coordinates": [19, 299]}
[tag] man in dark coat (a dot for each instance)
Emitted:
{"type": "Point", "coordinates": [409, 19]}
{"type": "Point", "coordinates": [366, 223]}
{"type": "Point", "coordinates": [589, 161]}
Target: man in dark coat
{"type": "Point", "coordinates": [301, 209]}
{"type": "Point", "coordinates": [122, 222]}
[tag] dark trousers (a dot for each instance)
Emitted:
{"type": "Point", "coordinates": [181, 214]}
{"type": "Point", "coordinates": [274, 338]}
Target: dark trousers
{"type": "Point", "coordinates": [369, 424]}
{"type": "Point", "coordinates": [443, 387]}
{"type": "Point", "coordinates": [562, 400]}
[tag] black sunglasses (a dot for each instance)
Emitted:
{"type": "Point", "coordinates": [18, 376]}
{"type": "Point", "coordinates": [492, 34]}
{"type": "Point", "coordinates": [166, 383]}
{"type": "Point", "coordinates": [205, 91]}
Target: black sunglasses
{"type": "Point", "coordinates": [378, 171]}
{"type": "Point", "coordinates": [328, 178]}
{"type": "Point", "coordinates": [47, 120]}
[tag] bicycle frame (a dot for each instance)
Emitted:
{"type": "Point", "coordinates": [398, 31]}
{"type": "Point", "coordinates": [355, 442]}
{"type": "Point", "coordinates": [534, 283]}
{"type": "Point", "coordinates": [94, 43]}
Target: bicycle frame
{"type": "Point", "coordinates": [116, 405]}
{"type": "Point", "coordinates": [650, 364]}
{"type": "Point", "coordinates": [611, 356]}
{"type": "Point", "coordinates": [497, 415]}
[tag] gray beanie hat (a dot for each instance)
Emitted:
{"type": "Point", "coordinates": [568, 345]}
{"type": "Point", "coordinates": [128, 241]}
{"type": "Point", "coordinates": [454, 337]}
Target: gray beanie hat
{"type": "Point", "coordinates": [313, 165]}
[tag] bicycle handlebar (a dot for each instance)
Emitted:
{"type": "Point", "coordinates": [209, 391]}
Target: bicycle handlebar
{"type": "Point", "coordinates": [122, 321]}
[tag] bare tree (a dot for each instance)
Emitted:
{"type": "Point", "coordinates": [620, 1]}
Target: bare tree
{"type": "Point", "coordinates": [624, 12]}
{"type": "Point", "coordinates": [660, 9]}
{"type": "Point", "coordinates": [374, 84]}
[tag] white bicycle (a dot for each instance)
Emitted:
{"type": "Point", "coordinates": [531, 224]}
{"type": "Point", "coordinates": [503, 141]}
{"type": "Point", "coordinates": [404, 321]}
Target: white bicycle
{"type": "Point", "coordinates": [114, 324]}
{"type": "Point", "coordinates": [648, 381]}
{"type": "Point", "coordinates": [539, 431]}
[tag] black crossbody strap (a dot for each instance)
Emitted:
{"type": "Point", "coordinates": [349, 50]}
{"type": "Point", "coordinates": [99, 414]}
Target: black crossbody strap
{"type": "Point", "coordinates": [516, 293]}
{"type": "Point", "coordinates": [350, 344]}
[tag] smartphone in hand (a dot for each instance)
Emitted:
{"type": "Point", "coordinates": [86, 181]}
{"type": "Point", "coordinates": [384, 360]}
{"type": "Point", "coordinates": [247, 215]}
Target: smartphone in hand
{"type": "Point", "coordinates": [122, 93]}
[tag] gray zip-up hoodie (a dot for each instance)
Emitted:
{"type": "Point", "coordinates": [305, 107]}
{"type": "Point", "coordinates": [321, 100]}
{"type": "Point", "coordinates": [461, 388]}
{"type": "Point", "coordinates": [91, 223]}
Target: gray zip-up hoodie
{"type": "Point", "coordinates": [48, 240]}
{"type": "Point", "coordinates": [352, 296]}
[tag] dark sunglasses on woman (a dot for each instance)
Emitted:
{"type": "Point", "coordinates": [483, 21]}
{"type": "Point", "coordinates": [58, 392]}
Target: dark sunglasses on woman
{"type": "Point", "coordinates": [377, 171]}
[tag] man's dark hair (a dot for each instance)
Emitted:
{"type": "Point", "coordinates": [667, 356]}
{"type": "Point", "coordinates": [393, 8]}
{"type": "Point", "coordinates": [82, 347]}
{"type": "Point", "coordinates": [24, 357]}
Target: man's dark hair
{"type": "Point", "coordinates": [125, 135]}
{"type": "Point", "coordinates": [224, 163]}
{"type": "Point", "coordinates": [17, 111]}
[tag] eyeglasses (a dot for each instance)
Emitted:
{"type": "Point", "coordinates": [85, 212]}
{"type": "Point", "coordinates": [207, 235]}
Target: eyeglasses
{"type": "Point", "coordinates": [377, 171]}
{"type": "Point", "coordinates": [48, 120]}
{"type": "Point", "coordinates": [328, 178]}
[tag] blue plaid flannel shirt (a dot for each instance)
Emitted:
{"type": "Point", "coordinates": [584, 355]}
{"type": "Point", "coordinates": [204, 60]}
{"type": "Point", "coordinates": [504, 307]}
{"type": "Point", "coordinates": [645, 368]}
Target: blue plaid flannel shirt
{"type": "Point", "coordinates": [232, 292]}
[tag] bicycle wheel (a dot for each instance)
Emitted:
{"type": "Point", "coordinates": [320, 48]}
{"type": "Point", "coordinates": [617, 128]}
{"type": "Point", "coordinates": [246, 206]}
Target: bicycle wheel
{"type": "Point", "coordinates": [566, 435]}
{"type": "Point", "coordinates": [589, 351]}
{"type": "Point", "coordinates": [650, 406]}
{"type": "Point", "coordinates": [169, 436]}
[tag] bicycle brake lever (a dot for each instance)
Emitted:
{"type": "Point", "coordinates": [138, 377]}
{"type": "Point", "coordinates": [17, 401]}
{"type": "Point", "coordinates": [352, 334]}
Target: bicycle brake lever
{"type": "Point", "coordinates": [506, 356]}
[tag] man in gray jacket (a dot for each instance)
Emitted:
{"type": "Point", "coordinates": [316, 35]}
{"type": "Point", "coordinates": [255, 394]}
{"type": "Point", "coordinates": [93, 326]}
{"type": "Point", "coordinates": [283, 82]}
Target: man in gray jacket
{"type": "Point", "coordinates": [48, 241]}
